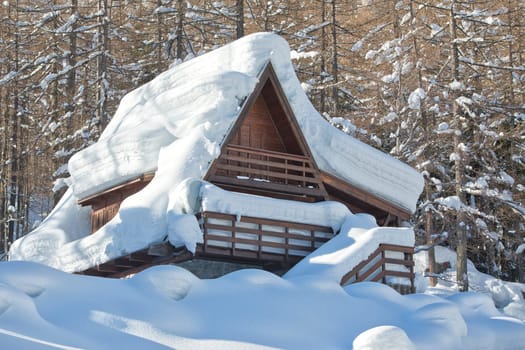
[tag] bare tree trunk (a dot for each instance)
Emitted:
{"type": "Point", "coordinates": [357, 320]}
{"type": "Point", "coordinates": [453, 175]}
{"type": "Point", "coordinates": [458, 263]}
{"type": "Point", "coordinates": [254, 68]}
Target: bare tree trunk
{"type": "Point", "coordinates": [461, 233]}
{"type": "Point", "coordinates": [511, 51]}
{"type": "Point", "coordinates": [240, 18]}
{"type": "Point", "coordinates": [335, 69]}
{"type": "Point", "coordinates": [400, 103]}
{"type": "Point", "coordinates": [13, 187]}
{"type": "Point", "coordinates": [71, 60]}
{"type": "Point", "coordinates": [4, 127]}
{"type": "Point", "coordinates": [71, 82]}
{"type": "Point", "coordinates": [159, 37]}
{"type": "Point", "coordinates": [431, 255]}
{"type": "Point", "coordinates": [103, 39]}
{"type": "Point", "coordinates": [323, 57]}
{"type": "Point", "coordinates": [179, 31]}
{"type": "Point", "coordinates": [461, 227]}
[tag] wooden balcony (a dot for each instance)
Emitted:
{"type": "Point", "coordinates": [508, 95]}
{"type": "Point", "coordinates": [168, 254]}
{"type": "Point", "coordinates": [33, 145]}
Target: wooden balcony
{"type": "Point", "coordinates": [267, 171]}
{"type": "Point", "coordinates": [273, 244]}
{"type": "Point", "coordinates": [386, 261]}
{"type": "Point", "coordinates": [259, 240]}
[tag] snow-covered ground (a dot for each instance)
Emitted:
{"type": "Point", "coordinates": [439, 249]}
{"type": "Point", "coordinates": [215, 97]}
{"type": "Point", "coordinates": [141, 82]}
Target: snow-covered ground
{"type": "Point", "coordinates": [508, 297]}
{"type": "Point", "coordinates": [167, 307]}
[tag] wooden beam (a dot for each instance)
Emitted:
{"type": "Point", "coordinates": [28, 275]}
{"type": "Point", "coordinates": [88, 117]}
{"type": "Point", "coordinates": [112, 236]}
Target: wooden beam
{"type": "Point", "coordinates": [142, 178]}
{"type": "Point", "coordinates": [364, 196]}
{"type": "Point", "coordinates": [268, 186]}
{"type": "Point", "coordinates": [266, 193]}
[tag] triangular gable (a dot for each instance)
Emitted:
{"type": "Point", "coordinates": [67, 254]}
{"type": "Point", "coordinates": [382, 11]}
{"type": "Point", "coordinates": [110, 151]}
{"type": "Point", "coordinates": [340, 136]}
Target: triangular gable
{"type": "Point", "coordinates": [268, 133]}
{"type": "Point", "coordinates": [269, 95]}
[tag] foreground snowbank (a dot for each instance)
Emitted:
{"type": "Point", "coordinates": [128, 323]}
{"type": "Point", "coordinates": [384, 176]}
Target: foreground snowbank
{"type": "Point", "coordinates": [508, 297]}
{"type": "Point", "coordinates": [168, 307]}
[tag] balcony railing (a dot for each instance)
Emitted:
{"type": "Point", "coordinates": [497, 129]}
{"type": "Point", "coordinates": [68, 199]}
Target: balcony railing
{"type": "Point", "coordinates": [267, 170]}
{"type": "Point", "coordinates": [389, 264]}
{"type": "Point", "coordinates": [263, 240]}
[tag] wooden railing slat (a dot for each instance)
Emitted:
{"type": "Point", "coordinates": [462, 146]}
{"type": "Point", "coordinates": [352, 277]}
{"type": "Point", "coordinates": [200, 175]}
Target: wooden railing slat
{"type": "Point", "coordinates": [273, 164]}
{"type": "Point", "coordinates": [406, 263]}
{"type": "Point", "coordinates": [293, 245]}
{"type": "Point", "coordinates": [379, 276]}
{"type": "Point", "coordinates": [364, 275]}
{"type": "Point", "coordinates": [397, 248]}
{"type": "Point", "coordinates": [258, 151]}
{"type": "Point", "coordinates": [362, 271]}
{"type": "Point", "coordinates": [255, 231]}
{"type": "Point", "coordinates": [254, 242]}
{"type": "Point", "coordinates": [268, 173]}
{"type": "Point", "coordinates": [270, 186]}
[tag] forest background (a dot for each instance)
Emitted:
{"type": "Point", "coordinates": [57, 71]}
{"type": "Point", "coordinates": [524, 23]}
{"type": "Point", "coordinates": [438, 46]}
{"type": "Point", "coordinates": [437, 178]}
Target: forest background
{"type": "Point", "coordinates": [437, 84]}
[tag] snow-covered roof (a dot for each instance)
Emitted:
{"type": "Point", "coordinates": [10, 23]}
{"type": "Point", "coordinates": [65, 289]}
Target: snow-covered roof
{"type": "Point", "coordinates": [175, 126]}
{"type": "Point", "coordinates": [196, 104]}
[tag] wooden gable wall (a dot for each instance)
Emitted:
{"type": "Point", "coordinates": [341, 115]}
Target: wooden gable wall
{"type": "Point", "coordinates": [265, 152]}
{"type": "Point", "coordinates": [258, 129]}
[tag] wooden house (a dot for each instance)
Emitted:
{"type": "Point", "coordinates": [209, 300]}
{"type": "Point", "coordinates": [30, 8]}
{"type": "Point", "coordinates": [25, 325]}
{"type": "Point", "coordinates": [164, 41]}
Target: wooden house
{"type": "Point", "coordinates": [265, 153]}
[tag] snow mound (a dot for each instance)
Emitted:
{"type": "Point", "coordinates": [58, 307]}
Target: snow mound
{"type": "Point", "coordinates": [167, 307]}
{"type": "Point", "coordinates": [383, 337]}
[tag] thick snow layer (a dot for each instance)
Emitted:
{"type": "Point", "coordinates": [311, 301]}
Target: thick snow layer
{"type": "Point", "coordinates": [209, 88]}
{"type": "Point", "coordinates": [167, 307]}
{"type": "Point", "coordinates": [67, 222]}
{"type": "Point", "coordinates": [329, 213]}
{"type": "Point", "coordinates": [175, 126]}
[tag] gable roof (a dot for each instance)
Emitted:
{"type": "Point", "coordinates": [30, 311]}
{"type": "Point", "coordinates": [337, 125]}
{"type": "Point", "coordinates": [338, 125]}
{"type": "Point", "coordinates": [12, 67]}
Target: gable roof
{"type": "Point", "coordinates": [208, 94]}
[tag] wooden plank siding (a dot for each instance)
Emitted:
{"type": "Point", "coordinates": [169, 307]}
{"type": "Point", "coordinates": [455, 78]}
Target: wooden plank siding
{"type": "Point", "coordinates": [105, 205]}
{"type": "Point", "coordinates": [258, 129]}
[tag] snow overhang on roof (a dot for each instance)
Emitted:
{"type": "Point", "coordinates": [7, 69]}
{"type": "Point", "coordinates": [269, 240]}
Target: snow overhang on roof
{"type": "Point", "coordinates": [190, 109]}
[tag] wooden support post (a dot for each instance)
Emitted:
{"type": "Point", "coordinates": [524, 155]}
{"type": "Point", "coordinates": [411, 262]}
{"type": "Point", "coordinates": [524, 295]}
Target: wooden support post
{"type": "Point", "coordinates": [205, 233]}
{"type": "Point", "coordinates": [234, 221]}
{"type": "Point", "coordinates": [383, 265]}
{"type": "Point", "coordinates": [286, 243]}
{"type": "Point", "coordinates": [259, 234]}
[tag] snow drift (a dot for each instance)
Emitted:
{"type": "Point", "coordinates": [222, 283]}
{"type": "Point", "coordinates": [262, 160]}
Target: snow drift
{"type": "Point", "coordinates": [167, 307]}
